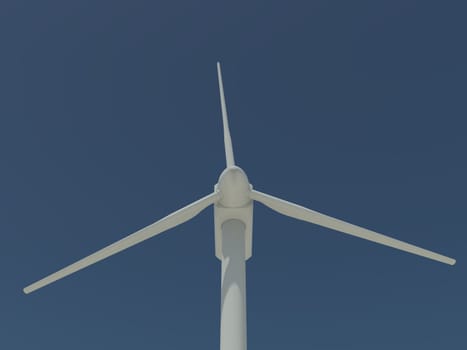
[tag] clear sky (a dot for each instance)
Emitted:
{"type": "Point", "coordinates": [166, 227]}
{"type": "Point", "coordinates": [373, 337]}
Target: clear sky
{"type": "Point", "coordinates": [110, 119]}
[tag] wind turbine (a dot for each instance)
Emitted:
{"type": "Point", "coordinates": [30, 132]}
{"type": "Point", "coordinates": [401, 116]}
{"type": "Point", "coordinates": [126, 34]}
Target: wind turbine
{"type": "Point", "coordinates": [233, 198]}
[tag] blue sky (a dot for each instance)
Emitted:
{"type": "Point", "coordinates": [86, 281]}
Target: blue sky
{"type": "Point", "coordinates": [110, 119]}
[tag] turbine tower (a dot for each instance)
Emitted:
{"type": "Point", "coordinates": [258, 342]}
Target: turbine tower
{"type": "Point", "coordinates": [233, 199]}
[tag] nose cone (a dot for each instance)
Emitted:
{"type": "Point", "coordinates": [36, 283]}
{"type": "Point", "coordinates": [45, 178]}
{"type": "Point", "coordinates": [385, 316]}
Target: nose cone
{"type": "Point", "coordinates": [234, 187]}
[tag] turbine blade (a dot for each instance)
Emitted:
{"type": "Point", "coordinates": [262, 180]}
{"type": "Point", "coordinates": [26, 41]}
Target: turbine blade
{"type": "Point", "coordinates": [302, 213]}
{"type": "Point", "coordinates": [229, 157]}
{"type": "Point", "coordinates": [176, 218]}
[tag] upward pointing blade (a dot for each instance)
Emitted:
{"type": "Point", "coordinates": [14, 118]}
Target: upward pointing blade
{"type": "Point", "coordinates": [301, 213]}
{"type": "Point", "coordinates": [176, 218]}
{"type": "Point", "coordinates": [227, 140]}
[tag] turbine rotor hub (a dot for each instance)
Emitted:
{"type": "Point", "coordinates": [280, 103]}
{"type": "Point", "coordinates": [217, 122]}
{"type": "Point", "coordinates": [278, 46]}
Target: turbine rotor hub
{"type": "Point", "coordinates": [234, 188]}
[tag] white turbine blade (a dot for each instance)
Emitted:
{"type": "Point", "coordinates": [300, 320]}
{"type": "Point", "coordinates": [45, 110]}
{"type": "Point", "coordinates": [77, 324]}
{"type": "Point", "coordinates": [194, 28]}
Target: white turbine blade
{"type": "Point", "coordinates": [171, 220]}
{"type": "Point", "coordinates": [302, 213]}
{"type": "Point", "coordinates": [227, 140]}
